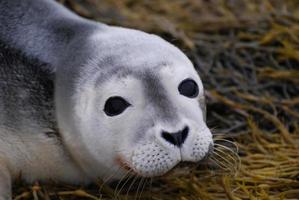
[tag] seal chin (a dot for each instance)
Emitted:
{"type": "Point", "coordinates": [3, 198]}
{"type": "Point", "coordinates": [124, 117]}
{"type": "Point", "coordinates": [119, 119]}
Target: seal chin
{"type": "Point", "coordinates": [153, 166]}
{"type": "Point", "coordinates": [152, 161]}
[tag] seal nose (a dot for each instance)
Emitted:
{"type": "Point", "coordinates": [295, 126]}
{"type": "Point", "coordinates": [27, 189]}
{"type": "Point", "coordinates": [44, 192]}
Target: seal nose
{"type": "Point", "coordinates": [177, 138]}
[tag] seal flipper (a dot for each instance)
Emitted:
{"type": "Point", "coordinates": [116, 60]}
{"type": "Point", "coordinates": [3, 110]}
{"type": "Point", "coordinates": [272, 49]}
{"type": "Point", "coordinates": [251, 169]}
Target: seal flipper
{"type": "Point", "coordinates": [41, 29]}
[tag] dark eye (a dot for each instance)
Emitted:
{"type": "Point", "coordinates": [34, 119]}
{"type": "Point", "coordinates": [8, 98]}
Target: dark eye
{"type": "Point", "coordinates": [115, 106]}
{"type": "Point", "coordinates": [188, 88]}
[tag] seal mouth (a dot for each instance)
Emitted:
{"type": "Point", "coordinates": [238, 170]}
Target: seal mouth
{"type": "Point", "coordinates": [125, 165]}
{"type": "Point", "coordinates": [128, 168]}
{"type": "Point", "coordinates": [176, 170]}
{"type": "Point", "coordinates": [181, 167]}
{"type": "Point", "coordinates": [184, 167]}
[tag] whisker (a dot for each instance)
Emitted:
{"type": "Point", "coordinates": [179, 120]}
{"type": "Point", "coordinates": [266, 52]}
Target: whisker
{"type": "Point", "coordinates": [116, 191]}
{"type": "Point", "coordinates": [131, 185]}
{"type": "Point", "coordinates": [139, 183]}
{"type": "Point", "coordinates": [229, 164]}
{"type": "Point", "coordinates": [151, 184]}
{"type": "Point", "coordinates": [125, 183]}
{"type": "Point", "coordinates": [226, 170]}
{"type": "Point", "coordinates": [106, 180]}
{"type": "Point", "coordinates": [226, 151]}
{"type": "Point", "coordinates": [233, 156]}
{"type": "Point", "coordinates": [235, 153]}
{"type": "Point", "coordinates": [142, 189]}
{"type": "Point", "coordinates": [228, 141]}
{"type": "Point", "coordinates": [226, 147]}
{"type": "Point", "coordinates": [221, 164]}
{"type": "Point", "coordinates": [225, 154]}
{"type": "Point", "coordinates": [217, 163]}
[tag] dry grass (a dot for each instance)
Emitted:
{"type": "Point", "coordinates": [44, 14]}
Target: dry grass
{"type": "Point", "coordinates": [247, 53]}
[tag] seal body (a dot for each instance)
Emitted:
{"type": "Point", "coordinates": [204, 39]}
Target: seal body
{"type": "Point", "coordinates": [81, 100]}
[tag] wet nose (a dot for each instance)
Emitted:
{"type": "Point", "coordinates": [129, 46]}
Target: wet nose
{"type": "Point", "coordinates": [177, 138]}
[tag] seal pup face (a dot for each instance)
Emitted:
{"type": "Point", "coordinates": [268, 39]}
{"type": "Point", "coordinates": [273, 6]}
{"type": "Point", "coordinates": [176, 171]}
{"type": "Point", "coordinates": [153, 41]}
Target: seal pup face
{"type": "Point", "coordinates": [136, 108]}
{"type": "Point", "coordinates": [166, 121]}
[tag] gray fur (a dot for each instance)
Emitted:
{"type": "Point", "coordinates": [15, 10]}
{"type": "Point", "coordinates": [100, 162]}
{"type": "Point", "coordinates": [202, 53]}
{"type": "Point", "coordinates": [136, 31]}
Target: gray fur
{"type": "Point", "coordinates": [157, 95]}
{"type": "Point", "coordinates": [35, 36]}
{"type": "Point", "coordinates": [42, 29]}
{"type": "Point", "coordinates": [53, 64]}
{"type": "Point", "coordinates": [26, 93]}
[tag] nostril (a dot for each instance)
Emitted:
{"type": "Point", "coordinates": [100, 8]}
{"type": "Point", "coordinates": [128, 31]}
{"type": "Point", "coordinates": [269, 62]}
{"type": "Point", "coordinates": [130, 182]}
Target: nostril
{"type": "Point", "coordinates": [169, 137]}
{"type": "Point", "coordinates": [177, 138]}
{"type": "Point", "coordinates": [185, 133]}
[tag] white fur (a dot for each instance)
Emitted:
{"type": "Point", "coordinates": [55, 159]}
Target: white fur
{"type": "Point", "coordinates": [37, 158]}
{"type": "Point", "coordinates": [102, 139]}
{"type": "Point", "coordinates": [93, 142]}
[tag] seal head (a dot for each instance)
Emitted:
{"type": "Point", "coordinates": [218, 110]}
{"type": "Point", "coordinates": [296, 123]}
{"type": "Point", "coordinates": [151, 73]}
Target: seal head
{"type": "Point", "coordinates": [130, 103]}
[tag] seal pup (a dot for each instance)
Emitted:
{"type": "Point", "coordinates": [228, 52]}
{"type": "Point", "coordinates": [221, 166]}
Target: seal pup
{"type": "Point", "coordinates": [81, 100]}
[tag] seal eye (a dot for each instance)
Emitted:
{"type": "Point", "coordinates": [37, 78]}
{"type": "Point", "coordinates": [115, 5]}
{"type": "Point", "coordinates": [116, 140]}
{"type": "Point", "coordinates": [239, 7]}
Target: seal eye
{"type": "Point", "coordinates": [115, 106]}
{"type": "Point", "coordinates": [188, 88]}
